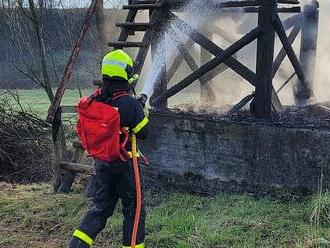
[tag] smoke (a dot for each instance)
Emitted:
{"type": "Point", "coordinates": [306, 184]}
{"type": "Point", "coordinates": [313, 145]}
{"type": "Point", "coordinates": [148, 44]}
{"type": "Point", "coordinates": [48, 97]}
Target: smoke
{"type": "Point", "coordinates": [199, 15]}
{"type": "Point", "coordinates": [228, 86]}
{"type": "Point", "coordinates": [196, 13]}
{"type": "Point", "coordinates": [322, 79]}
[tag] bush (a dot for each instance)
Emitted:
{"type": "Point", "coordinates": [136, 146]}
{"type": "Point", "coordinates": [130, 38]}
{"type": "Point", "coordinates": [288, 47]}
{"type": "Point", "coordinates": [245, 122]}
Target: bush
{"type": "Point", "coordinates": [25, 144]}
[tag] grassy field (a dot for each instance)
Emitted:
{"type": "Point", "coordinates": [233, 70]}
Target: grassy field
{"type": "Point", "coordinates": [32, 216]}
{"type": "Point", "coordinates": [37, 101]}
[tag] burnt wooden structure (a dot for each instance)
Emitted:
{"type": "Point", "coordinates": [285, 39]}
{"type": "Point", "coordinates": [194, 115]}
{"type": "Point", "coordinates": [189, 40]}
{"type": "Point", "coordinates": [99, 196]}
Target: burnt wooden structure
{"type": "Point", "coordinates": [165, 20]}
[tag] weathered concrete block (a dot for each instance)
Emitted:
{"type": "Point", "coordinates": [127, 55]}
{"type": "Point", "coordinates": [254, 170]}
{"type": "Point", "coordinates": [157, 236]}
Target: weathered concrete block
{"type": "Point", "coordinates": [247, 153]}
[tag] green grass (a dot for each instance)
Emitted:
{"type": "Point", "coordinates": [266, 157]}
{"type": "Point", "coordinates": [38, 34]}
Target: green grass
{"type": "Point", "coordinates": [37, 100]}
{"type": "Point", "coordinates": [31, 216]}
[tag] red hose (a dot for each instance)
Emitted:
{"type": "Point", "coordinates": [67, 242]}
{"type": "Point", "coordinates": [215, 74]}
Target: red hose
{"type": "Point", "coordinates": [138, 191]}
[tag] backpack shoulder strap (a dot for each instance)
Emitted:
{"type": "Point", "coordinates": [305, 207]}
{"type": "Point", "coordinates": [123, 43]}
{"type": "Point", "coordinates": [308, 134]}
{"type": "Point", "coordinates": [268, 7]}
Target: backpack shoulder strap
{"type": "Point", "coordinates": [118, 95]}
{"type": "Point", "coordinates": [95, 94]}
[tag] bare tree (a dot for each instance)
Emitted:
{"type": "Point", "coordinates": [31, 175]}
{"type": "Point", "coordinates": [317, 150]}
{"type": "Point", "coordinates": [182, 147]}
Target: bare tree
{"type": "Point", "coordinates": [25, 19]}
{"type": "Point", "coordinates": [25, 22]}
{"type": "Point", "coordinates": [101, 28]}
{"type": "Point", "coordinates": [20, 41]}
{"type": "Point", "coordinates": [35, 14]}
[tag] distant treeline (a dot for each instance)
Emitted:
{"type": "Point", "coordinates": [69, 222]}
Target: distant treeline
{"type": "Point", "coordinates": [61, 28]}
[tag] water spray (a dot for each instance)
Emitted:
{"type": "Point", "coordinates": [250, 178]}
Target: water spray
{"type": "Point", "coordinates": [197, 14]}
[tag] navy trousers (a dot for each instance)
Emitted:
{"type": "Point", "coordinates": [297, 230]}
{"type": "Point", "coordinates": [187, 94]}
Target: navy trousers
{"type": "Point", "coordinates": [113, 181]}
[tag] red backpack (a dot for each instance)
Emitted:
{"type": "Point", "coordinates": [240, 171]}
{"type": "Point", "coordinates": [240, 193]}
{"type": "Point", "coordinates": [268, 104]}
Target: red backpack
{"type": "Point", "coordinates": [99, 129]}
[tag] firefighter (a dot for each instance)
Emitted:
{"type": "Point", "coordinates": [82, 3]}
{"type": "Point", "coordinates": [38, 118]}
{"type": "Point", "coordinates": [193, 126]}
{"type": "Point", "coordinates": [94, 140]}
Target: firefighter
{"type": "Point", "coordinates": [115, 180]}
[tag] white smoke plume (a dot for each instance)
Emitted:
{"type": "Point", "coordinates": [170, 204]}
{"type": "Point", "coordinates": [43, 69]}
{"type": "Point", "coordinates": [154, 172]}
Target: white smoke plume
{"type": "Point", "coordinates": [322, 78]}
{"type": "Point", "coordinates": [229, 87]}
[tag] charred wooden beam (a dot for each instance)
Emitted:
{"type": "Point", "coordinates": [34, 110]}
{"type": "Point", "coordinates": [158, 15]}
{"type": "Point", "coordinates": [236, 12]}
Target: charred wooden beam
{"type": "Point", "coordinates": [209, 93]}
{"type": "Point", "coordinates": [80, 168]}
{"type": "Point", "coordinates": [177, 62]}
{"type": "Point", "coordinates": [226, 36]}
{"type": "Point", "coordinates": [288, 1]}
{"type": "Point", "coordinates": [236, 4]}
{"type": "Point", "coordinates": [177, 4]}
{"type": "Point", "coordinates": [124, 33]}
{"type": "Point", "coordinates": [282, 54]}
{"type": "Point", "coordinates": [231, 62]}
{"type": "Point", "coordinates": [289, 50]}
{"type": "Point", "coordinates": [276, 102]}
{"type": "Point", "coordinates": [206, 91]}
{"type": "Point", "coordinates": [308, 50]}
{"type": "Point", "coordinates": [265, 55]}
{"type": "Point", "coordinates": [289, 10]}
{"type": "Point", "coordinates": [240, 104]}
{"type": "Point", "coordinates": [142, 1]}
{"type": "Point", "coordinates": [247, 39]}
{"type": "Point", "coordinates": [122, 44]}
{"type": "Point", "coordinates": [295, 20]}
{"type": "Point", "coordinates": [210, 46]}
{"type": "Point", "coordinates": [215, 72]}
{"type": "Point", "coordinates": [135, 26]}
{"type": "Point", "coordinates": [256, 10]}
{"type": "Point", "coordinates": [143, 6]}
{"type": "Point", "coordinates": [286, 82]}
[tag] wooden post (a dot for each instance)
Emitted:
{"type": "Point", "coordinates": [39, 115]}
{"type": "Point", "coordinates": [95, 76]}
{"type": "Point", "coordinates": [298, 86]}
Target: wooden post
{"type": "Point", "coordinates": [159, 57]}
{"type": "Point", "coordinates": [101, 26]}
{"type": "Point", "coordinates": [265, 56]}
{"type": "Point", "coordinates": [60, 149]}
{"type": "Point", "coordinates": [68, 177]}
{"type": "Point", "coordinates": [206, 56]}
{"type": "Point", "coordinates": [302, 93]}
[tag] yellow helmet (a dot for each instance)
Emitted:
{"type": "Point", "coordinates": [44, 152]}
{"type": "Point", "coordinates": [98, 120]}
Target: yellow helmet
{"type": "Point", "coordinates": [117, 64]}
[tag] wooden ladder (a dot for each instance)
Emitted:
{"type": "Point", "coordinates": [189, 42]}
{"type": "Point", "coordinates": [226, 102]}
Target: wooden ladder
{"type": "Point", "coordinates": [129, 27]}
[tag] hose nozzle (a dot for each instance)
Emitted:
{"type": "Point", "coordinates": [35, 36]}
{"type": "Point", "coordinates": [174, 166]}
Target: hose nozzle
{"type": "Point", "coordinates": [143, 99]}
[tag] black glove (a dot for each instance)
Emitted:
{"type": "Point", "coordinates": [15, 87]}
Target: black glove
{"type": "Point", "coordinates": [143, 99]}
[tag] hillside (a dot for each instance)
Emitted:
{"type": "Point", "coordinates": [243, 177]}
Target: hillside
{"type": "Point", "coordinates": [32, 216]}
{"type": "Point", "coordinates": [61, 29]}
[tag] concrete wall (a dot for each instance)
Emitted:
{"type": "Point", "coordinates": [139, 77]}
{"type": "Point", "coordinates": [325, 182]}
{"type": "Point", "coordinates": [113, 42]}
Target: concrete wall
{"type": "Point", "coordinates": [246, 154]}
